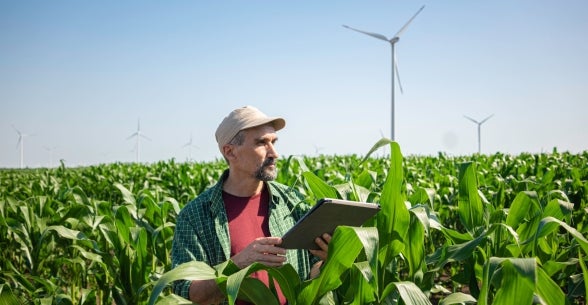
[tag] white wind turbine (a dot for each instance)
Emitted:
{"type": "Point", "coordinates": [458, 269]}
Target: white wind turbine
{"type": "Point", "coordinates": [189, 145]}
{"type": "Point", "coordinates": [50, 150]}
{"type": "Point", "coordinates": [138, 135]}
{"type": "Point", "coordinates": [20, 143]}
{"type": "Point", "coordinates": [392, 42]}
{"type": "Point", "coordinates": [479, 127]}
{"type": "Point", "coordinates": [317, 149]}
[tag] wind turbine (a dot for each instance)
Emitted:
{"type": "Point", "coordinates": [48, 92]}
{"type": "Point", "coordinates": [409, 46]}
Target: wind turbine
{"type": "Point", "coordinates": [479, 125]}
{"type": "Point", "coordinates": [20, 143]}
{"type": "Point", "coordinates": [392, 42]}
{"type": "Point", "coordinates": [50, 150]}
{"type": "Point", "coordinates": [317, 149]}
{"type": "Point", "coordinates": [189, 145]}
{"type": "Point", "coordinates": [138, 135]}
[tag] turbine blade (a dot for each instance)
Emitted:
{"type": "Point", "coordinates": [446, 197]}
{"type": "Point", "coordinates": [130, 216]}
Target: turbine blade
{"type": "Point", "coordinates": [467, 117]}
{"type": "Point", "coordinates": [189, 143]}
{"type": "Point", "coordinates": [486, 119]}
{"type": "Point", "coordinates": [17, 131]}
{"type": "Point", "coordinates": [145, 137]}
{"type": "Point", "coordinates": [408, 22]}
{"type": "Point", "coordinates": [375, 35]}
{"type": "Point", "coordinates": [397, 74]}
{"type": "Point", "coordinates": [133, 135]}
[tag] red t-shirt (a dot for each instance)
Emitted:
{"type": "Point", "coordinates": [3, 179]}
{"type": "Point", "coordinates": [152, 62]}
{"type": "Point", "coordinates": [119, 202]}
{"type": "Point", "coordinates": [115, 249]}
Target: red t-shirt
{"type": "Point", "coordinates": [248, 220]}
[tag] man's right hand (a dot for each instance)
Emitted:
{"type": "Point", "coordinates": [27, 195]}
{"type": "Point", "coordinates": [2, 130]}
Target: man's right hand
{"type": "Point", "coordinates": [262, 250]}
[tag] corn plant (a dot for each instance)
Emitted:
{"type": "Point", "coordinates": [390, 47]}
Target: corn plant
{"type": "Point", "coordinates": [487, 229]}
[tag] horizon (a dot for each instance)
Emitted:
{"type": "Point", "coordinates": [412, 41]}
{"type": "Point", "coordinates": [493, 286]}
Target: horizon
{"type": "Point", "coordinates": [77, 78]}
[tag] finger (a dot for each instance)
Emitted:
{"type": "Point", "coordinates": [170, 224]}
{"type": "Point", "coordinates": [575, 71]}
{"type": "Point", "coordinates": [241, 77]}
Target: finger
{"type": "Point", "coordinates": [269, 240]}
{"type": "Point", "coordinates": [327, 237]}
{"type": "Point", "coordinates": [319, 253]}
{"type": "Point", "coordinates": [272, 260]}
{"type": "Point", "coordinates": [270, 249]}
{"type": "Point", "coordinates": [321, 243]}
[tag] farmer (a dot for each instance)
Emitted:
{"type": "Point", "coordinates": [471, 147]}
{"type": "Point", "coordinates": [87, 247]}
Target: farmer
{"type": "Point", "coordinates": [243, 216]}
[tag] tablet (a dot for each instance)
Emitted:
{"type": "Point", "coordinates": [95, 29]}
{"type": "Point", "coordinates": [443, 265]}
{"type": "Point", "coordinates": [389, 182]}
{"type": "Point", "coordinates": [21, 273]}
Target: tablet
{"type": "Point", "coordinates": [324, 217]}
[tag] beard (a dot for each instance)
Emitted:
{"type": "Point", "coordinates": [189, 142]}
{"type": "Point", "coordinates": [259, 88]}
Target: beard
{"type": "Point", "coordinates": [264, 173]}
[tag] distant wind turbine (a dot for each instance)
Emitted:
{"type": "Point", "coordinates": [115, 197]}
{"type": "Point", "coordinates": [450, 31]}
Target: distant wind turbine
{"type": "Point", "coordinates": [479, 127]}
{"type": "Point", "coordinates": [317, 149]}
{"type": "Point", "coordinates": [20, 143]}
{"type": "Point", "coordinates": [189, 145]}
{"type": "Point", "coordinates": [392, 42]}
{"type": "Point", "coordinates": [50, 150]}
{"type": "Point", "coordinates": [138, 135]}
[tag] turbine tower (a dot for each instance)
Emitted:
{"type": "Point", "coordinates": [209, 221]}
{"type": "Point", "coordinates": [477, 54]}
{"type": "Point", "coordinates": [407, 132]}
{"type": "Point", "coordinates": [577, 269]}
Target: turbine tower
{"type": "Point", "coordinates": [20, 143]}
{"type": "Point", "coordinates": [138, 135]}
{"type": "Point", "coordinates": [392, 42]}
{"type": "Point", "coordinates": [479, 127]}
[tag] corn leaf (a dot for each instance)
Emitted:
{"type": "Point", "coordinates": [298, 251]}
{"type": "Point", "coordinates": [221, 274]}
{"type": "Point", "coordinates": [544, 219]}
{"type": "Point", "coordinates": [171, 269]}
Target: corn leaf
{"type": "Point", "coordinates": [470, 209]}
{"type": "Point", "coordinates": [193, 270]}
{"type": "Point", "coordinates": [458, 298]}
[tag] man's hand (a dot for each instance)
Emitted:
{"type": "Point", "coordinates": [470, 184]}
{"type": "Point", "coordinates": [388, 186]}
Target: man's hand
{"type": "Point", "coordinates": [261, 250]}
{"type": "Point", "coordinates": [323, 243]}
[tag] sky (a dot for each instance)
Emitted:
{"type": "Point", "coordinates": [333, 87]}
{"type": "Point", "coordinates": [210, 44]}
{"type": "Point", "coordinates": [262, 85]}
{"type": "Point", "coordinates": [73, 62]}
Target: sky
{"type": "Point", "coordinates": [78, 77]}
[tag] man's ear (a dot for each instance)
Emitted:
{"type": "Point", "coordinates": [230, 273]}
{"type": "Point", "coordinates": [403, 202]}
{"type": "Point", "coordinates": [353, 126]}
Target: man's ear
{"type": "Point", "coordinates": [228, 151]}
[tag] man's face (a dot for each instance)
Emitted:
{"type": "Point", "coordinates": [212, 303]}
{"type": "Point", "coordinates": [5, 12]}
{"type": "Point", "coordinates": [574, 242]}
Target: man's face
{"type": "Point", "coordinates": [257, 155]}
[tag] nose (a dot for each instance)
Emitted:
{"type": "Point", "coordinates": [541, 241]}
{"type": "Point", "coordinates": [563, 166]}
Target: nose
{"type": "Point", "coordinates": [272, 152]}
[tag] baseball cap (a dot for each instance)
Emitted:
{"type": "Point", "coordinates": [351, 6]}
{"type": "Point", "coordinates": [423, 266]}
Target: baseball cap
{"type": "Point", "coordinates": [243, 118]}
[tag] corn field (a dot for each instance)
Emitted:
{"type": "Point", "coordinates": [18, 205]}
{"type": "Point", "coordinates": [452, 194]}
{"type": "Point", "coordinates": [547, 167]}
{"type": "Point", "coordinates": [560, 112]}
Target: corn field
{"type": "Point", "coordinates": [479, 229]}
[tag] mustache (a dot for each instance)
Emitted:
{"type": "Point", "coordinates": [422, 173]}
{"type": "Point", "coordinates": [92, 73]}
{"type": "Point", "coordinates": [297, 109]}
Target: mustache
{"type": "Point", "coordinates": [268, 162]}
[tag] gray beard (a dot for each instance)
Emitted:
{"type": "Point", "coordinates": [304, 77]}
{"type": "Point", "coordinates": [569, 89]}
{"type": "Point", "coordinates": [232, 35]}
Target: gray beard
{"type": "Point", "coordinates": [264, 174]}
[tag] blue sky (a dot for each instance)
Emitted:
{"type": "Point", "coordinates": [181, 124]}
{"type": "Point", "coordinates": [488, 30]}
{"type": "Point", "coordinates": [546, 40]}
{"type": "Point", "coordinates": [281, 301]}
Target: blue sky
{"type": "Point", "coordinates": [77, 76]}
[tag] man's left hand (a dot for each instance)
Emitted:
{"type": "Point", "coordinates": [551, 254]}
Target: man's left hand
{"type": "Point", "coordinates": [323, 243]}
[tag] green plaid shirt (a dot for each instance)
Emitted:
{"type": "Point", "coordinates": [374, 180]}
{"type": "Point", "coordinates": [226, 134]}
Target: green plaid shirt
{"type": "Point", "coordinates": [202, 229]}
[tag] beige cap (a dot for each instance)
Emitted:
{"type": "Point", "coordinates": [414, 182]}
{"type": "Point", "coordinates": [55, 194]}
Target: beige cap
{"type": "Point", "coordinates": [243, 118]}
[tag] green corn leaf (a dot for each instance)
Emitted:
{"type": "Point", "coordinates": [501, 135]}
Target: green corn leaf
{"type": "Point", "coordinates": [548, 290]}
{"type": "Point", "coordinates": [549, 224]}
{"type": "Point", "coordinates": [458, 252]}
{"type": "Point", "coordinates": [393, 219]}
{"type": "Point", "coordinates": [128, 196]}
{"type": "Point", "coordinates": [319, 188]}
{"type": "Point", "coordinates": [584, 272]}
{"type": "Point", "coordinates": [288, 279]}
{"type": "Point", "coordinates": [344, 248]}
{"type": "Point", "coordinates": [360, 287]}
{"type": "Point", "coordinates": [458, 298]}
{"type": "Point", "coordinates": [411, 294]}
{"type": "Point", "coordinates": [470, 209]}
{"type": "Point", "coordinates": [513, 287]}
{"type": "Point", "coordinates": [193, 270]}
{"type": "Point", "coordinates": [173, 299]}
{"type": "Point", "coordinates": [256, 292]}
{"type": "Point", "coordinates": [235, 280]}
{"type": "Point", "coordinates": [414, 252]}
{"type": "Point", "coordinates": [558, 209]}
{"type": "Point", "coordinates": [124, 223]}
{"type": "Point", "coordinates": [381, 143]}
{"type": "Point", "coordinates": [524, 206]}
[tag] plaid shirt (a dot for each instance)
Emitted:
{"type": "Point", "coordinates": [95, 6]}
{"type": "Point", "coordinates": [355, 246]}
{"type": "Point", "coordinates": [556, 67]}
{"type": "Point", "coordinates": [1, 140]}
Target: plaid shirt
{"type": "Point", "coordinates": [202, 229]}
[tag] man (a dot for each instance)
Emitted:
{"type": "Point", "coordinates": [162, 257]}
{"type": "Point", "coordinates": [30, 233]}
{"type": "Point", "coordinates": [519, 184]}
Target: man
{"type": "Point", "coordinates": [243, 216]}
